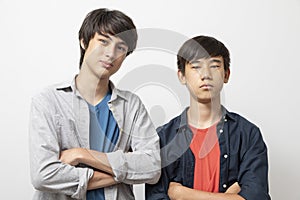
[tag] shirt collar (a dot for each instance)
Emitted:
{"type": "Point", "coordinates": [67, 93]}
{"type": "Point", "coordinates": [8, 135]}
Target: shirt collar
{"type": "Point", "coordinates": [116, 92]}
{"type": "Point", "coordinates": [70, 86]}
{"type": "Point", "coordinates": [184, 123]}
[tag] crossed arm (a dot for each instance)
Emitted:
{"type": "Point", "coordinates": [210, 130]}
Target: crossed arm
{"type": "Point", "coordinates": [98, 160]}
{"type": "Point", "coordinates": [177, 191]}
{"type": "Point", "coordinates": [52, 169]}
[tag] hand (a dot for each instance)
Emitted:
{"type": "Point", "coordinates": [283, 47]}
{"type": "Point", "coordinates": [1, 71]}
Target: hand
{"type": "Point", "coordinates": [73, 156]}
{"type": "Point", "coordinates": [95, 159]}
{"type": "Point", "coordinates": [174, 190]}
{"type": "Point", "coordinates": [234, 188]}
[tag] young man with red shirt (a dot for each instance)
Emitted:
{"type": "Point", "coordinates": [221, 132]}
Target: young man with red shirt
{"type": "Point", "coordinates": [209, 153]}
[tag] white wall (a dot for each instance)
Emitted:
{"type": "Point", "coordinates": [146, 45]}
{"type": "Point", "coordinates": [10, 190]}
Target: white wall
{"type": "Point", "coordinates": [39, 47]}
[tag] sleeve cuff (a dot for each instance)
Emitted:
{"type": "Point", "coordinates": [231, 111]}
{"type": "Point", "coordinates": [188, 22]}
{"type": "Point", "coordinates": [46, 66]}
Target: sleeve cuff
{"type": "Point", "coordinates": [118, 164]}
{"type": "Point", "coordinates": [84, 176]}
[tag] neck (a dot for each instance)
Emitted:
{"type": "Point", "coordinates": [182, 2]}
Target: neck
{"type": "Point", "coordinates": [92, 88]}
{"type": "Point", "coordinates": [204, 115]}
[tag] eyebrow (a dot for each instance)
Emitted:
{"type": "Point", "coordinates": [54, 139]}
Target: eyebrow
{"type": "Point", "coordinates": [104, 35]}
{"type": "Point", "coordinates": [215, 60]}
{"type": "Point", "coordinates": [210, 61]}
{"type": "Point", "coordinates": [195, 62]}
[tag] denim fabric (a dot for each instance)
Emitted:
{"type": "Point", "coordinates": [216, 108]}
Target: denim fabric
{"type": "Point", "coordinates": [243, 157]}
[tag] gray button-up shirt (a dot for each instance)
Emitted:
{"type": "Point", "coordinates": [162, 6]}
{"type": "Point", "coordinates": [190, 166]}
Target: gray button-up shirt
{"type": "Point", "coordinates": [59, 120]}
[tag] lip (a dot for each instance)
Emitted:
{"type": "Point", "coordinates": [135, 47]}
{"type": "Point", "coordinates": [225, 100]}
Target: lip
{"type": "Point", "coordinates": [206, 86]}
{"type": "Point", "coordinates": [106, 64]}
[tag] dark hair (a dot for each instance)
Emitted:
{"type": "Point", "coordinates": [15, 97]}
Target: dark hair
{"type": "Point", "coordinates": [104, 21]}
{"type": "Point", "coordinates": [201, 47]}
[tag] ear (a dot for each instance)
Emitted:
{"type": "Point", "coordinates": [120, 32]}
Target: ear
{"type": "Point", "coordinates": [82, 44]}
{"type": "Point", "coordinates": [181, 77]}
{"type": "Point", "coordinates": [226, 76]}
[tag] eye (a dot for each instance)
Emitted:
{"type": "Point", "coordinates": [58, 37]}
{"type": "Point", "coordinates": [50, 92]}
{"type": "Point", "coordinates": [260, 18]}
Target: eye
{"type": "Point", "coordinates": [122, 48]}
{"type": "Point", "coordinates": [196, 67]}
{"type": "Point", "coordinates": [214, 66]}
{"type": "Point", "coordinates": [104, 42]}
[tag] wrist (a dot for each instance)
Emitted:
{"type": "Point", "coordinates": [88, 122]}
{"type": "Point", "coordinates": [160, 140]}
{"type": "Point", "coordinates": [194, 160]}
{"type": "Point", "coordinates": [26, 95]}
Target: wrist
{"type": "Point", "coordinates": [179, 192]}
{"type": "Point", "coordinates": [79, 158]}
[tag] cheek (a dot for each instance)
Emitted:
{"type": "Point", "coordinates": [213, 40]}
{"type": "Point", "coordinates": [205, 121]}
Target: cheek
{"type": "Point", "coordinates": [194, 78]}
{"type": "Point", "coordinates": [92, 54]}
{"type": "Point", "coordinates": [119, 60]}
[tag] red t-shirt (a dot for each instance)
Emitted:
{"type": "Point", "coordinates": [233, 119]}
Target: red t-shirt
{"type": "Point", "coordinates": [205, 147]}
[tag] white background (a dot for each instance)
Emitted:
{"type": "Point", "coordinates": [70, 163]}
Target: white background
{"type": "Point", "coordinates": [39, 46]}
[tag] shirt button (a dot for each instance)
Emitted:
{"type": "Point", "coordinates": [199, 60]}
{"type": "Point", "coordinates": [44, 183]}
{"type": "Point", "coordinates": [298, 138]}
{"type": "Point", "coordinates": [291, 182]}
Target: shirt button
{"type": "Point", "coordinates": [225, 120]}
{"type": "Point", "coordinates": [221, 130]}
{"type": "Point", "coordinates": [224, 186]}
{"type": "Point", "coordinates": [225, 156]}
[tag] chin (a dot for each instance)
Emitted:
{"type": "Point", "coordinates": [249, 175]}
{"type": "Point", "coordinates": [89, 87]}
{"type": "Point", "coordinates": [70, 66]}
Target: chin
{"type": "Point", "coordinates": [204, 100]}
{"type": "Point", "coordinates": [103, 75]}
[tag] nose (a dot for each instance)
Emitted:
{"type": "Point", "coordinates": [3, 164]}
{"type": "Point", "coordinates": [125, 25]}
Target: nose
{"type": "Point", "coordinates": [110, 52]}
{"type": "Point", "coordinates": [205, 73]}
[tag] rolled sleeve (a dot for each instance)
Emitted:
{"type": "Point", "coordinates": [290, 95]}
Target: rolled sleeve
{"type": "Point", "coordinates": [117, 162]}
{"type": "Point", "coordinates": [48, 173]}
{"type": "Point", "coordinates": [84, 175]}
{"type": "Point", "coordinates": [143, 164]}
{"type": "Point", "coordinates": [140, 166]}
{"type": "Point", "coordinates": [253, 175]}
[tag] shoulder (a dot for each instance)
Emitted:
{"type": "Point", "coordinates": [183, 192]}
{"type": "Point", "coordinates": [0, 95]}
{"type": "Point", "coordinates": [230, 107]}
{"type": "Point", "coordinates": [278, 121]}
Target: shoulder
{"type": "Point", "coordinates": [168, 131]}
{"type": "Point", "coordinates": [127, 95]}
{"type": "Point", "coordinates": [172, 124]}
{"type": "Point", "coordinates": [132, 100]}
{"type": "Point", "coordinates": [241, 121]}
{"type": "Point", "coordinates": [43, 93]}
{"type": "Point", "coordinates": [240, 125]}
{"type": "Point", "coordinates": [47, 94]}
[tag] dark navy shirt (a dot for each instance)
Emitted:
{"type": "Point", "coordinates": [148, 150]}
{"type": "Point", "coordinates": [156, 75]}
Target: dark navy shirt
{"type": "Point", "coordinates": [243, 157]}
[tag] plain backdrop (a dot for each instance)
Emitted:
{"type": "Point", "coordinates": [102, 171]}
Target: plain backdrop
{"type": "Point", "coordinates": [39, 47]}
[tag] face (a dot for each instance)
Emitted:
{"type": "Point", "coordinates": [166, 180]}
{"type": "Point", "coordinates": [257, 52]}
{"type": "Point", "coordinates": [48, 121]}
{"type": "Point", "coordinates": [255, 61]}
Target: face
{"type": "Point", "coordinates": [204, 78]}
{"type": "Point", "coordinates": [104, 55]}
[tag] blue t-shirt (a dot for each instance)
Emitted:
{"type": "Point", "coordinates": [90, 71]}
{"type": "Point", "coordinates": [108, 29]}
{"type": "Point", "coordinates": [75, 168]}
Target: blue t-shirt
{"type": "Point", "coordinates": [104, 134]}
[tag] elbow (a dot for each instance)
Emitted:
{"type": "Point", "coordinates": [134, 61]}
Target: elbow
{"type": "Point", "coordinates": [41, 180]}
{"type": "Point", "coordinates": [38, 182]}
{"type": "Point", "coordinates": [155, 176]}
{"type": "Point", "coordinates": [156, 173]}
{"type": "Point", "coordinates": [254, 191]}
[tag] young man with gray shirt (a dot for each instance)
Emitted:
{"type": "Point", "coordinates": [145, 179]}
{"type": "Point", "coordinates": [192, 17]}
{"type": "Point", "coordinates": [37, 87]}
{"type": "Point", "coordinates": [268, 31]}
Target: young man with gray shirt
{"type": "Point", "coordinates": [88, 139]}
